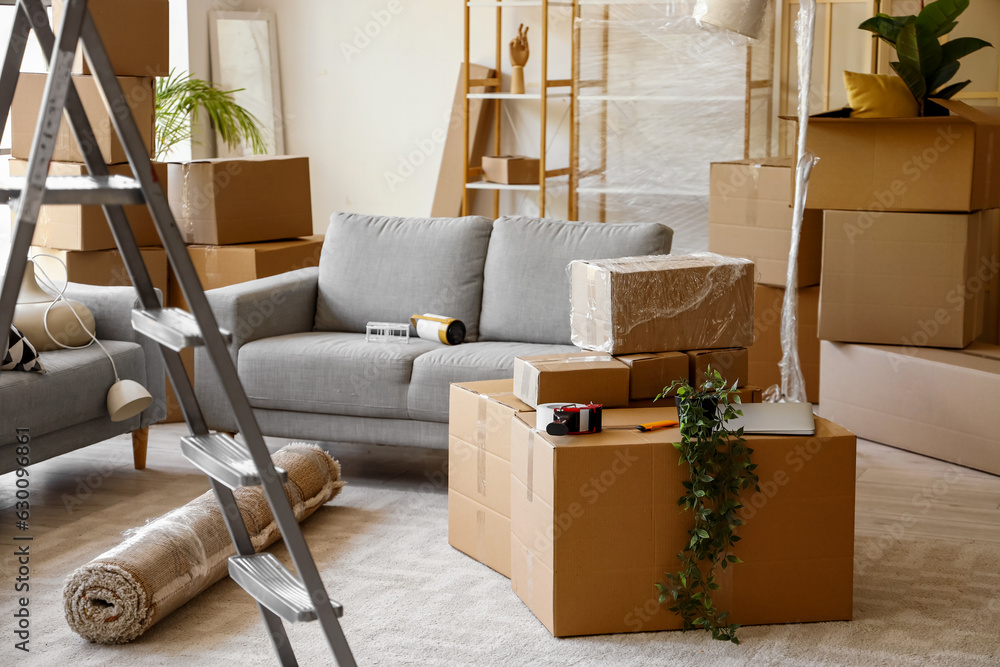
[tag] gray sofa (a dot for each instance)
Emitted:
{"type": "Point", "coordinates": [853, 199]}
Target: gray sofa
{"type": "Point", "coordinates": [299, 341]}
{"type": "Point", "coordinates": [65, 408]}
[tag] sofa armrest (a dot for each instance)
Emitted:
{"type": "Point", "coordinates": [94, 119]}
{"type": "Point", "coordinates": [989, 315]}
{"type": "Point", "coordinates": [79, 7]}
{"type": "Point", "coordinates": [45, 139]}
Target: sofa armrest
{"type": "Point", "coordinates": [273, 306]}
{"type": "Point", "coordinates": [112, 308]}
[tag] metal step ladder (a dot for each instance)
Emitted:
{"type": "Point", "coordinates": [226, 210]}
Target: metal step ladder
{"type": "Point", "coordinates": [280, 594]}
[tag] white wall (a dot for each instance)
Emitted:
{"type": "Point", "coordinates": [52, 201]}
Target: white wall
{"type": "Point", "coordinates": [366, 84]}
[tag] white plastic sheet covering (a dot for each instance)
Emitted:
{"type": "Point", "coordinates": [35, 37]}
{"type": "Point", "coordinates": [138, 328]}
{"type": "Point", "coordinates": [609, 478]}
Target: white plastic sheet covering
{"type": "Point", "coordinates": [674, 102]}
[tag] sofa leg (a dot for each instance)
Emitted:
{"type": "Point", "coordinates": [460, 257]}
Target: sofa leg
{"type": "Point", "coordinates": [140, 438]}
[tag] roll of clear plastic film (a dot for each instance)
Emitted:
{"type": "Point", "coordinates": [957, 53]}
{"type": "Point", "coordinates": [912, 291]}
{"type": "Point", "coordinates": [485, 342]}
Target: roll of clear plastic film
{"type": "Point", "coordinates": [438, 328]}
{"type": "Point", "coordinates": [745, 17]}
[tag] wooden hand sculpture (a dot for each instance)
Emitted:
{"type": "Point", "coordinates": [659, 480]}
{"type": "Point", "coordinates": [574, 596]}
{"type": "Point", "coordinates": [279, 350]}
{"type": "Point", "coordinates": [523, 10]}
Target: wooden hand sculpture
{"type": "Point", "coordinates": [518, 57]}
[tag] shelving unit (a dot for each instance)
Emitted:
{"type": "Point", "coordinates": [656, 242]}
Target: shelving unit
{"type": "Point", "coordinates": [473, 174]}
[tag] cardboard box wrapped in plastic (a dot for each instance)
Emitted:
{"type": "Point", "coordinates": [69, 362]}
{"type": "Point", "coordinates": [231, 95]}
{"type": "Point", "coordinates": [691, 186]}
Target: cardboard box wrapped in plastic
{"type": "Point", "coordinates": [479, 470]}
{"type": "Point", "coordinates": [660, 303]}
{"type": "Point", "coordinates": [595, 524]}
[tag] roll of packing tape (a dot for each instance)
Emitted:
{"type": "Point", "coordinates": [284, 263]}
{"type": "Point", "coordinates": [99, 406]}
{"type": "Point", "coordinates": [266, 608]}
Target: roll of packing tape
{"type": "Point", "coordinates": [438, 328]}
{"type": "Point", "coordinates": [546, 414]}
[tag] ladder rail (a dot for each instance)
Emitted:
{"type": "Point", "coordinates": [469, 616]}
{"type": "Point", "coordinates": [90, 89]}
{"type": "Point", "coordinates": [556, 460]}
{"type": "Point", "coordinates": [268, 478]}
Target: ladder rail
{"type": "Point", "coordinates": [214, 343]}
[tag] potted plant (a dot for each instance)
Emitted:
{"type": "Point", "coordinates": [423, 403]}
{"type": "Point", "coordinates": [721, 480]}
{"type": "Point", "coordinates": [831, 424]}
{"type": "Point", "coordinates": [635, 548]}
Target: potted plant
{"type": "Point", "coordinates": [178, 99]}
{"type": "Point", "coordinates": [720, 469]}
{"type": "Point", "coordinates": [925, 64]}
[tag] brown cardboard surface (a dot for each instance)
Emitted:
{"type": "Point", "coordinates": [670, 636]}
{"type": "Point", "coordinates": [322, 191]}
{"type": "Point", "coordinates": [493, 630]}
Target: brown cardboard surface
{"type": "Point", "coordinates": [906, 164]}
{"type": "Point", "coordinates": [479, 475]}
{"type": "Point", "coordinates": [730, 361]}
{"type": "Point", "coordinates": [662, 303]}
{"type": "Point", "coordinates": [225, 201]}
{"type": "Point", "coordinates": [930, 401]}
{"type": "Point", "coordinates": [511, 169]}
{"type": "Point", "coordinates": [595, 524]}
{"type": "Point", "coordinates": [480, 413]}
{"type": "Point", "coordinates": [765, 354]}
{"type": "Point", "coordinates": [478, 531]}
{"type": "Point", "coordinates": [750, 215]}
{"type": "Point", "coordinates": [136, 35]}
{"type": "Point", "coordinates": [904, 278]}
{"type": "Point", "coordinates": [102, 267]}
{"type": "Point", "coordinates": [86, 227]}
{"type": "Point", "coordinates": [652, 372]}
{"type": "Point", "coordinates": [574, 377]}
{"type": "Point", "coordinates": [138, 91]}
{"type": "Point", "coordinates": [991, 241]}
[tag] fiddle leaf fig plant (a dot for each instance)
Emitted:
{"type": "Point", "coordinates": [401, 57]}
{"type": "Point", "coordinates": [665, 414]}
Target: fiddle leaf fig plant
{"type": "Point", "coordinates": [720, 469]}
{"type": "Point", "coordinates": [925, 64]}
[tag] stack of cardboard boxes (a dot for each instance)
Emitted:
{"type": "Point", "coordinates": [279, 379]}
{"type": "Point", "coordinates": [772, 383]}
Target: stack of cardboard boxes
{"type": "Point", "coordinates": [585, 526]}
{"type": "Point", "coordinates": [136, 37]}
{"type": "Point", "coordinates": [899, 274]}
{"type": "Point", "coordinates": [243, 218]}
{"type": "Point", "coordinates": [910, 286]}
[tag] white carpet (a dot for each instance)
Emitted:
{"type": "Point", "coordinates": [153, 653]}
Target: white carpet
{"type": "Point", "coordinates": [410, 599]}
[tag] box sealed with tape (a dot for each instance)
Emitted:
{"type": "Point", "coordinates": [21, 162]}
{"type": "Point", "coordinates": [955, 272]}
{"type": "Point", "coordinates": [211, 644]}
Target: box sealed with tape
{"type": "Point", "coordinates": [661, 302]}
{"type": "Point", "coordinates": [479, 470]}
{"type": "Point", "coordinates": [572, 377]}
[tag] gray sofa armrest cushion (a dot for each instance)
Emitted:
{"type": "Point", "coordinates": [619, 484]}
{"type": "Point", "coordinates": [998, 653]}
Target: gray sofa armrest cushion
{"type": "Point", "coordinates": [112, 308]}
{"type": "Point", "coordinates": [273, 306]}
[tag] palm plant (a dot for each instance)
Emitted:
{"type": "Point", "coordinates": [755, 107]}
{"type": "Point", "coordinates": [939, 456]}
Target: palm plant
{"type": "Point", "coordinates": [925, 64]}
{"type": "Point", "coordinates": [178, 100]}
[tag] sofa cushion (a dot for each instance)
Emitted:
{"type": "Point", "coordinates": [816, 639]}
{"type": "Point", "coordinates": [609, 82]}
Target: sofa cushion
{"type": "Point", "coordinates": [329, 373]}
{"type": "Point", "coordinates": [526, 287]}
{"type": "Point", "coordinates": [20, 354]}
{"type": "Point", "coordinates": [73, 389]}
{"type": "Point", "coordinates": [434, 371]}
{"type": "Point", "coordinates": [387, 269]}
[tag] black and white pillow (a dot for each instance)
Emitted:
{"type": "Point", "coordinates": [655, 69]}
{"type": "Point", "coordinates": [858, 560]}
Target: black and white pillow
{"type": "Point", "coordinates": [21, 355]}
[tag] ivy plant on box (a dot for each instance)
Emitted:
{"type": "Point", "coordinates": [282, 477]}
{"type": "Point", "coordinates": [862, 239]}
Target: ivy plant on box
{"type": "Point", "coordinates": [720, 469]}
{"type": "Point", "coordinates": [925, 64]}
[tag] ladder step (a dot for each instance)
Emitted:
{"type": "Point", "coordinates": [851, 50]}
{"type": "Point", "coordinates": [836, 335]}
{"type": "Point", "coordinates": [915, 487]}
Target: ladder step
{"type": "Point", "coordinates": [224, 459]}
{"type": "Point", "coordinates": [111, 190]}
{"type": "Point", "coordinates": [271, 584]}
{"type": "Point", "coordinates": [171, 327]}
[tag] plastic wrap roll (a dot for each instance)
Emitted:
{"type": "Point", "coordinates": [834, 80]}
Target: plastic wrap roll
{"type": "Point", "coordinates": [743, 16]}
{"type": "Point", "coordinates": [160, 566]}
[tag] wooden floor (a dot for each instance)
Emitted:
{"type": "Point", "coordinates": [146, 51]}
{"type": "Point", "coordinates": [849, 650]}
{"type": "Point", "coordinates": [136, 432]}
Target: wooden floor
{"type": "Point", "coordinates": [898, 493]}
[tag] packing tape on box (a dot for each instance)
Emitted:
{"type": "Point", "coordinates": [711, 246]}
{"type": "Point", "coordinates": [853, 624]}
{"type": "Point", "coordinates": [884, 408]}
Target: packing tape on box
{"type": "Point", "coordinates": [531, 464]}
{"type": "Point", "coordinates": [480, 535]}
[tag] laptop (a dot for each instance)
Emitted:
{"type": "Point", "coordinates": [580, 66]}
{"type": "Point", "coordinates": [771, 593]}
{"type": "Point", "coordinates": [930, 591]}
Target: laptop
{"type": "Point", "coordinates": [775, 419]}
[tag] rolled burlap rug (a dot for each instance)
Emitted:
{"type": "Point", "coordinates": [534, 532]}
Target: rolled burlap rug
{"type": "Point", "coordinates": [160, 566]}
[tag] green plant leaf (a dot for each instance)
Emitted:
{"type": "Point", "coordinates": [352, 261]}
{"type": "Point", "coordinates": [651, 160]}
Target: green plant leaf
{"type": "Point", "coordinates": [960, 47]}
{"type": "Point", "coordinates": [938, 16]}
{"type": "Point", "coordinates": [918, 49]}
{"type": "Point", "coordinates": [702, 533]}
{"type": "Point", "coordinates": [942, 76]}
{"type": "Point", "coordinates": [912, 79]}
{"type": "Point", "coordinates": [885, 26]}
{"type": "Point", "coordinates": [951, 91]}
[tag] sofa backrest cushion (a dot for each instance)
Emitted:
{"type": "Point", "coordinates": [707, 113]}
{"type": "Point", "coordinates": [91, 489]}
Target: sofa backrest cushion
{"type": "Point", "coordinates": [526, 287]}
{"type": "Point", "coordinates": [382, 269]}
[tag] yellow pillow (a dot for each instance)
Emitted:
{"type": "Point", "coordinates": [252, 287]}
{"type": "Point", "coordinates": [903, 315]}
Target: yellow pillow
{"type": "Point", "coordinates": [879, 96]}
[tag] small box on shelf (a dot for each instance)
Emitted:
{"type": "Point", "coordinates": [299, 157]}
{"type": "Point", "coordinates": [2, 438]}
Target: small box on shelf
{"type": "Point", "coordinates": [510, 169]}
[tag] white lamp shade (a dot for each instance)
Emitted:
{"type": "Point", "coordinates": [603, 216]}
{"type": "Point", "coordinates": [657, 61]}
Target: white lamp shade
{"type": "Point", "coordinates": [126, 399]}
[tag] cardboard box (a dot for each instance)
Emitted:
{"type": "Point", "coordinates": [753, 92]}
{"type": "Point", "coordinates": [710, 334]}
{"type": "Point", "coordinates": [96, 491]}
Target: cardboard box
{"type": "Point", "coordinates": [241, 200]}
{"type": "Point", "coordinates": [102, 267]}
{"type": "Point", "coordinates": [139, 93]}
{"type": "Point", "coordinates": [660, 303]}
{"type": "Point", "coordinates": [930, 401]}
{"type": "Point", "coordinates": [86, 227]}
{"type": "Point", "coordinates": [765, 354]}
{"type": "Point", "coordinates": [574, 377]}
{"type": "Point", "coordinates": [652, 372]}
{"type": "Point", "coordinates": [595, 525]}
{"type": "Point", "coordinates": [946, 163]}
{"type": "Point", "coordinates": [748, 394]}
{"type": "Point", "coordinates": [750, 215]}
{"type": "Point", "coordinates": [730, 361]}
{"type": "Point", "coordinates": [136, 35]}
{"type": "Point", "coordinates": [904, 278]}
{"type": "Point", "coordinates": [221, 266]}
{"type": "Point", "coordinates": [511, 169]}
{"type": "Point", "coordinates": [479, 470]}
{"type": "Point", "coordinates": [991, 323]}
